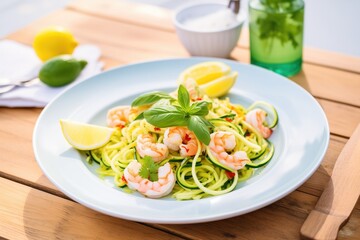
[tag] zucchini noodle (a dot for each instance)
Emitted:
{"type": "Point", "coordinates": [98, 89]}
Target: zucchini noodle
{"type": "Point", "coordinates": [213, 189]}
{"type": "Point", "coordinates": [198, 176]}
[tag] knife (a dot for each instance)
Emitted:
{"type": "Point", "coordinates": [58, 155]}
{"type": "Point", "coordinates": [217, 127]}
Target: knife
{"type": "Point", "coordinates": [340, 195]}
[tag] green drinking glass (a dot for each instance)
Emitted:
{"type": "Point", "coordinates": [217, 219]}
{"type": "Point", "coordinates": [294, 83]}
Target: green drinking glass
{"type": "Point", "coordinates": [276, 34]}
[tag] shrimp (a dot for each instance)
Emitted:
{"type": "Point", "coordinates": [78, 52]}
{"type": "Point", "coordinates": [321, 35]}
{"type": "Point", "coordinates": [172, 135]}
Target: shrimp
{"type": "Point", "coordinates": [118, 116]}
{"type": "Point", "coordinates": [181, 138]}
{"type": "Point", "coordinates": [162, 187]}
{"type": "Point", "coordinates": [146, 146]}
{"type": "Point", "coordinates": [223, 142]}
{"type": "Point", "coordinates": [256, 118]}
{"type": "Point", "coordinates": [194, 91]}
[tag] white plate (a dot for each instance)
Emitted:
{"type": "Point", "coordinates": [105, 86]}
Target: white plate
{"type": "Point", "coordinates": [300, 140]}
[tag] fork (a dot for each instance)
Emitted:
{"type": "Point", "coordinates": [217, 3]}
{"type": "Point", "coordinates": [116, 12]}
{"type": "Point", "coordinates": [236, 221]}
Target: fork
{"type": "Point", "coordinates": [7, 87]}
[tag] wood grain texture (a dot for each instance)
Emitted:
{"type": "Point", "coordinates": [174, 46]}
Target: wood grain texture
{"type": "Point", "coordinates": [119, 29]}
{"type": "Point", "coordinates": [22, 167]}
{"type": "Point", "coordinates": [44, 216]}
{"type": "Point", "coordinates": [159, 18]}
{"type": "Point", "coordinates": [224, 229]}
{"type": "Point", "coordinates": [320, 81]}
{"type": "Point", "coordinates": [316, 56]}
{"type": "Point", "coordinates": [116, 52]}
{"type": "Point", "coordinates": [317, 182]}
{"type": "Point", "coordinates": [333, 209]}
{"type": "Point", "coordinates": [13, 165]}
{"type": "Point", "coordinates": [19, 126]}
{"type": "Point", "coordinates": [281, 220]}
{"type": "Point", "coordinates": [20, 122]}
{"type": "Point", "coordinates": [125, 44]}
{"type": "Point", "coordinates": [17, 158]}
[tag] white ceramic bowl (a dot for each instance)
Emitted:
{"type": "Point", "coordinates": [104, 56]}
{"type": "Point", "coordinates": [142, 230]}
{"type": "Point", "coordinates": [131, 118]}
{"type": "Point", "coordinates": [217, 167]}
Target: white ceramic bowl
{"type": "Point", "coordinates": [200, 42]}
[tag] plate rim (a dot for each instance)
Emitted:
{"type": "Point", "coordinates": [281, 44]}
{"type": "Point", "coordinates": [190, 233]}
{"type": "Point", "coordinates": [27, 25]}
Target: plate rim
{"type": "Point", "coordinates": [285, 192]}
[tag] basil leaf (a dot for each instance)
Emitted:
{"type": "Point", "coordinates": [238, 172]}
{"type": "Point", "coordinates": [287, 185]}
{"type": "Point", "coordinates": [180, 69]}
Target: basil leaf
{"type": "Point", "coordinates": [140, 116]}
{"type": "Point", "coordinates": [199, 108]}
{"type": "Point", "coordinates": [163, 102]}
{"type": "Point", "coordinates": [199, 126]}
{"type": "Point", "coordinates": [194, 109]}
{"type": "Point", "coordinates": [149, 98]}
{"type": "Point", "coordinates": [183, 98]}
{"type": "Point", "coordinates": [165, 116]}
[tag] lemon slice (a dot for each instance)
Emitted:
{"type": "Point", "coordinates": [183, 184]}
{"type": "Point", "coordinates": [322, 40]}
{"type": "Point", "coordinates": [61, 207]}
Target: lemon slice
{"type": "Point", "coordinates": [84, 136]}
{"type": "Point", "coordinates": [204, 72]}
{"type": "Point", "coordinates": [219, 87]}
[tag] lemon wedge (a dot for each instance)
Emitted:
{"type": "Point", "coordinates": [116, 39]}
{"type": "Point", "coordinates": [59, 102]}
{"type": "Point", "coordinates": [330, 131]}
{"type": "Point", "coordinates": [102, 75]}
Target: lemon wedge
{"type": "Point", "coordinates": [204, 72]}
{"type": "Point", "coordinates": [220, 86]}
{"type": "Point", "coordinates": [84, 136]}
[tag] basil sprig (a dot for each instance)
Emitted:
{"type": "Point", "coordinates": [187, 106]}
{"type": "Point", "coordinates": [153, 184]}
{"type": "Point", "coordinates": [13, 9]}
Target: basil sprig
{"type": "Point", "coordinates": [180, 113]}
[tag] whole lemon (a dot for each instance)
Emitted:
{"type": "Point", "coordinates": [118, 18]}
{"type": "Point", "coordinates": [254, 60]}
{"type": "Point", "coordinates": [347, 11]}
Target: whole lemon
{"type": "Point", "coordinates": [61, 70]}
{"type": "Point", "coordinates": [53, 41]}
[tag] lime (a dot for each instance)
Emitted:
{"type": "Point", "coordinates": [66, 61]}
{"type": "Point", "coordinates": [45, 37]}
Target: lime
{"type": "Point", "coordinates": [220, 86]}
{"type": "Point", "coordinates": [61, 70]}
{"type": "Point", "coordinates": [204, 72]}
{"type": "Point", "coordinates": [84, 136]}
{"type": "Point", "coordinates": [53, 41]}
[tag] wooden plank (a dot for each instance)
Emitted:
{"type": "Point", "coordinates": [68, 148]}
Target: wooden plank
{"type": "Point", "coordinates": [269, 222]}
{"type": "Point", "coordinates": [126, 40]}
{"type": "Point", "coordinates": [26, 213]}
{"type": "Point", "coordinates": [343, 119]}
{"type": "Point", "coordinates": [333, 209]}
{"type": "Point", "coordinates": [291, 209]}
{"type": "Point", "coordinates": [19, 122]}
{"type": "Point", "coordinates": [19, 117]}
{"type": "Point", "coordinates": [316, 56]}
{"type": "Point", "coordinates": [332, 59]}
{"type": "Point", "coordinates": [108, 31]}
{"type": "Point", "coordinates": [16, 131]}
{"type": "Point", "coordinates": [341, 126]}
{"type": "Point", "coordinates": [15, 166]}
{"type": "Point", "coordinates": [322, 82]}
{"type": "Point", "coordinates": [19, 161]}
{"type": "Point", "coordinates": [316, 183]}
{"type": "Point", "coordinates": [126, 45]}
{"type": "Point", "coordinates": [22, 167]}
{"type": "Point", "coordinates": [160, 18]}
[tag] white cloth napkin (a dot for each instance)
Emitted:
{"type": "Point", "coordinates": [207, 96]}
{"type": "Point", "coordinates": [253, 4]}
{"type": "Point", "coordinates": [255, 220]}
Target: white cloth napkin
{"type": "Point", "coordinates": [19, 62]}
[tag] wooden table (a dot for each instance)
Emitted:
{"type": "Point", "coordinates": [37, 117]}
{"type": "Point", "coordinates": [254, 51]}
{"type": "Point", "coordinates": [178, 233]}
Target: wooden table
{"type": "Point", "coordinates": [33, 208]}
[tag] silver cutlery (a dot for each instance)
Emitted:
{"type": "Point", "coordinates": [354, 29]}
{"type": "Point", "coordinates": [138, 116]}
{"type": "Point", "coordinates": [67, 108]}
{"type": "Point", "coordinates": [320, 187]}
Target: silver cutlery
{"type": "Point", "coordinates": [234, 5]}
{"type": "Point", "coordinates": [7, 86]}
